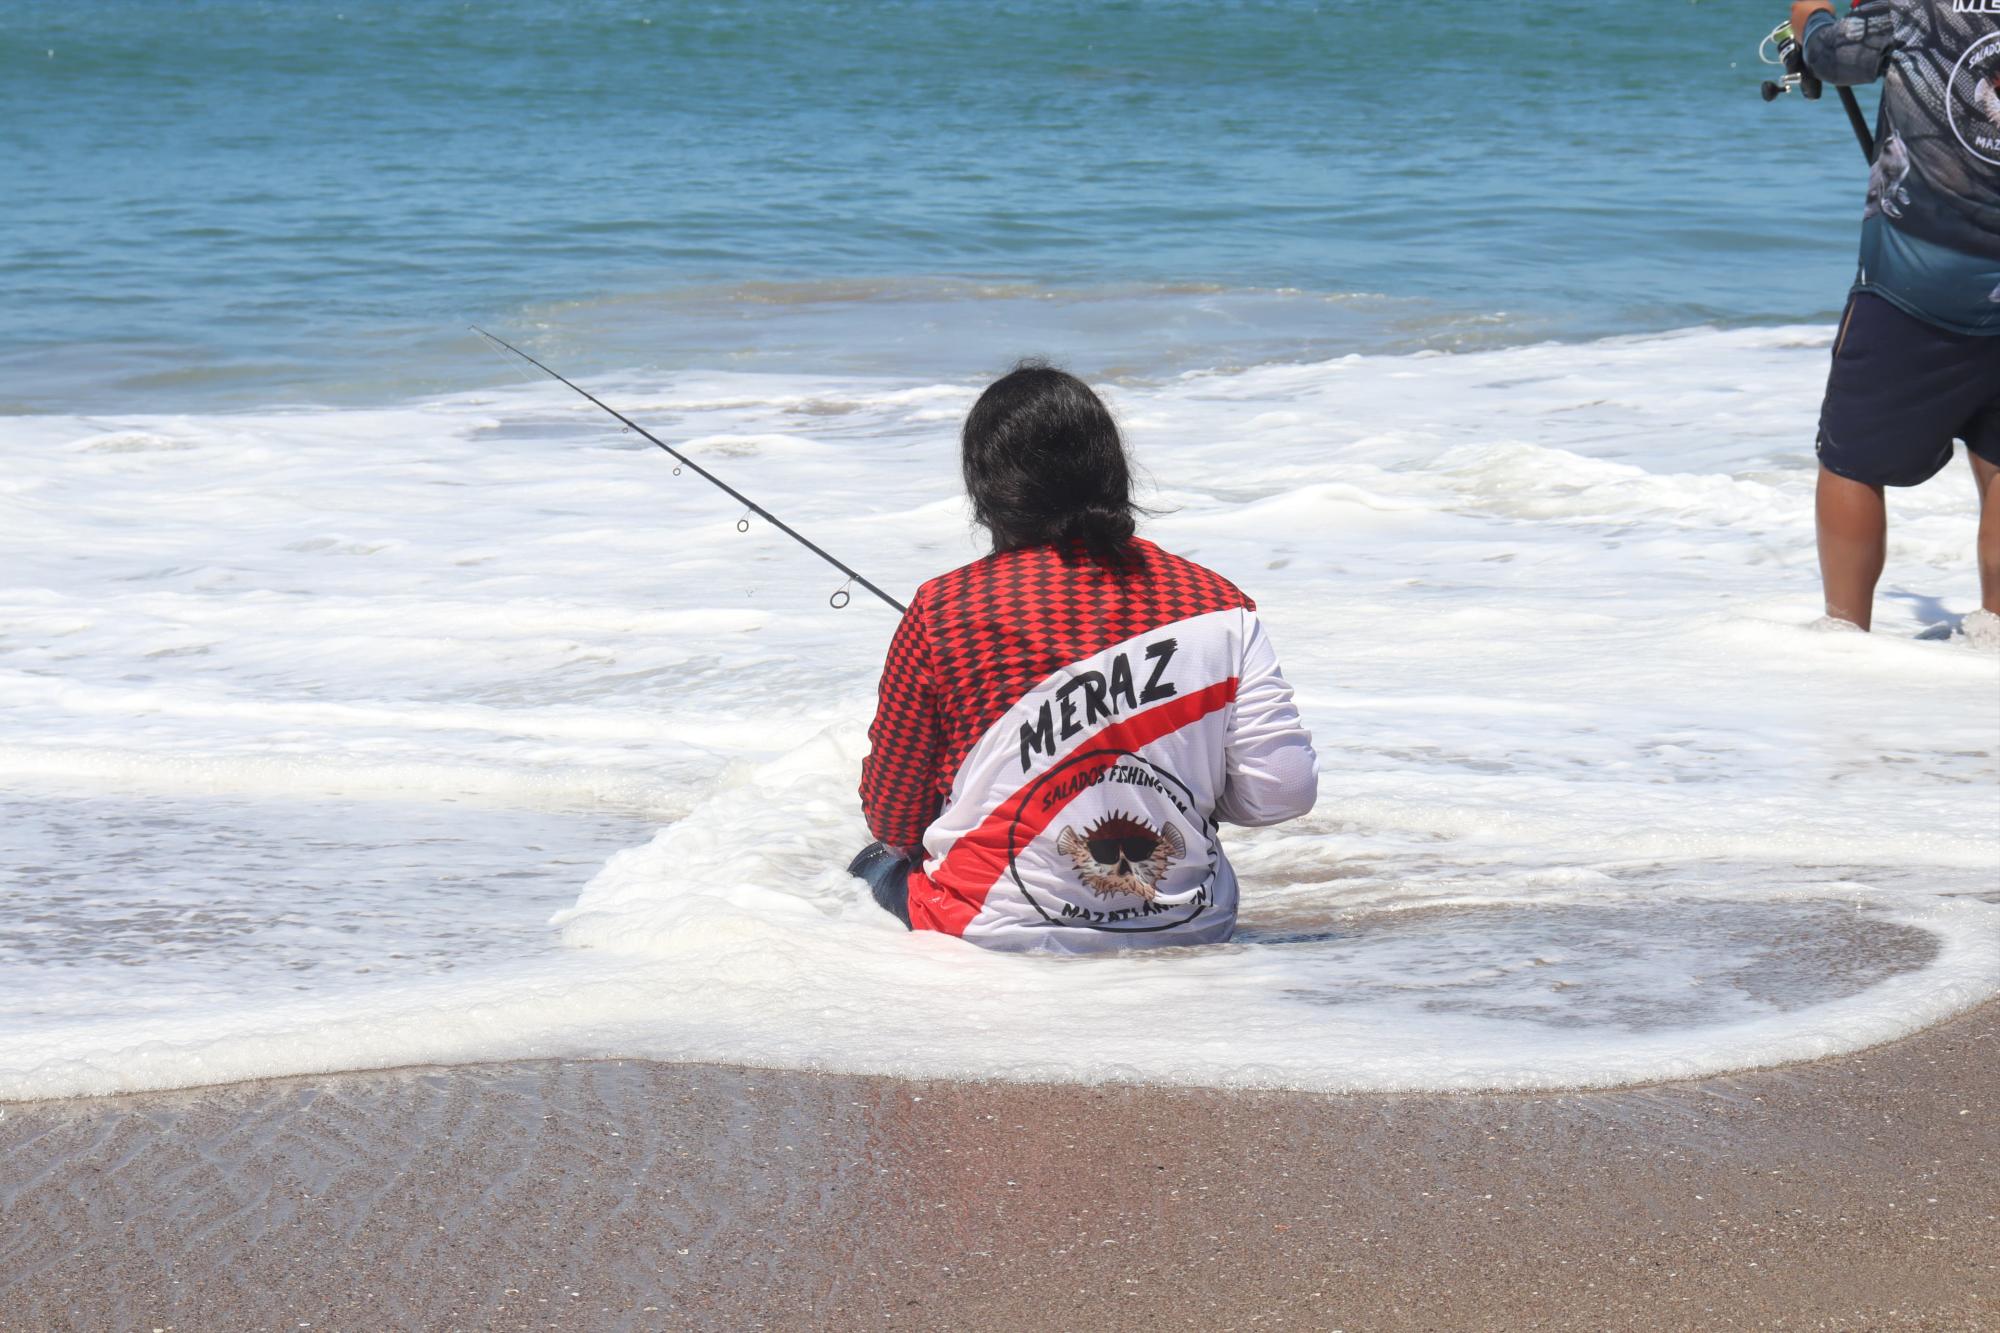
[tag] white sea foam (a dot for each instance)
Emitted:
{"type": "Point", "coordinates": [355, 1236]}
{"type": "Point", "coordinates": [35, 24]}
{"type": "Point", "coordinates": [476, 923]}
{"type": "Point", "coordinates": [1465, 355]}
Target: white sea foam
{"type": "Point", "coordinates": [313, 719]}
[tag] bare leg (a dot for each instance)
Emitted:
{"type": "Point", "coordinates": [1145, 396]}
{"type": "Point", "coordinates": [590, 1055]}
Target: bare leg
{"type": "Point", "coordinates": [1853, 542]}
{"type": "Point", "coordinates": [1986, 476]}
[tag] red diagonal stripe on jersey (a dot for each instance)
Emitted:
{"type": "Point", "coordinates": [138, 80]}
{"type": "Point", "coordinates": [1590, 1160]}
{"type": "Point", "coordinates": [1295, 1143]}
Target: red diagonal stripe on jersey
{"type": "Point", "coordinates": [980, 857]}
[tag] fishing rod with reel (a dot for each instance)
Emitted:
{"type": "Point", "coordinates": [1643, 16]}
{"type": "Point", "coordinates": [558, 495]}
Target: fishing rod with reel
{"type": "Point", "coordinates": [1784, 49]}
{"type": "Point", "coordinates": [840, 597]}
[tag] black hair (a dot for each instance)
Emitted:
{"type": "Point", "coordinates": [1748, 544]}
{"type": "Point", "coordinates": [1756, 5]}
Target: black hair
{"type": "Point", "coordinates": [1044, 465]}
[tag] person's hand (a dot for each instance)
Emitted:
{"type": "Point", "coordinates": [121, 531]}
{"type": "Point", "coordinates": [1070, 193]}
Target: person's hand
{"type": "Point", "coordinates": [1802, 12]}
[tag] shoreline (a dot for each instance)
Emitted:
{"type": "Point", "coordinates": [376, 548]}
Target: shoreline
{"type": "Point", "coordinates": [82, 1100]}
{"type": "Point", "coordinates": [1859, 1191]}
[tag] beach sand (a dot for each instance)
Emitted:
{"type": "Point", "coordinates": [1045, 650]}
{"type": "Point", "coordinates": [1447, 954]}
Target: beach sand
{"type": "Point", "coordinates": [1861, 1192]}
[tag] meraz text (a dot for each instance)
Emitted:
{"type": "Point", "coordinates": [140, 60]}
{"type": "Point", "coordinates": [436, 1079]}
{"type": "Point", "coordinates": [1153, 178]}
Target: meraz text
{"type": "Point", "coordinates": [1088, 697]}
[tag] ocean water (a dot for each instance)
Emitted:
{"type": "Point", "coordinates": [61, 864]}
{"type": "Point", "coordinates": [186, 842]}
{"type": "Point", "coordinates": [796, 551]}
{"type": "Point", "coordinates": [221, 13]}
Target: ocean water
{"type": "Point", "coordinates": [237, 202]}
{"type": "Point", "coordinates": [366, 702]}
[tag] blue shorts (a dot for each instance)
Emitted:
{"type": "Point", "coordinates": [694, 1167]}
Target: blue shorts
{"type": "Point", "coordinates": [887, 874]}
{"type": "Point", "coordinates": [1901, 391]}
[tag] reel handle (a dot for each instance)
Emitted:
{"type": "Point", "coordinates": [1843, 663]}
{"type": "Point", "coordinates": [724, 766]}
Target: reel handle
{"type": "Point", "coordinates": [1791, 58]}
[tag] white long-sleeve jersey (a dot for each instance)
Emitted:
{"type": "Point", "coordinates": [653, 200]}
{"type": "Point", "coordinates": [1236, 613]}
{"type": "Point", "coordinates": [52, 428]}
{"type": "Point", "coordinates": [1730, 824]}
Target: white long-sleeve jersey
{"type": "Point", "coordinates": [1064, 741]}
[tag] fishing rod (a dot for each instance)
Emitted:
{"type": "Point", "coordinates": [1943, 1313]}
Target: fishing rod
{"type": "Point", "coordinates": [840, 597]}
{"type": "Point", "coordinates": [1784, 49]}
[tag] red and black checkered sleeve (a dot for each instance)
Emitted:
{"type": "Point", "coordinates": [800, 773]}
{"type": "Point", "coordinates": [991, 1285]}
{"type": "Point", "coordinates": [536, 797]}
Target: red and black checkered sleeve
{"type": "Point", "coordinates": [902, 788]}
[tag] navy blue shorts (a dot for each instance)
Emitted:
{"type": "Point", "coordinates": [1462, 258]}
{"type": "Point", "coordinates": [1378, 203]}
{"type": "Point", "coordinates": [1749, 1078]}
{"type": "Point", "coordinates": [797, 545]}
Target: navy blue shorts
{"type": "Point", "coordinates": [1901, 391]}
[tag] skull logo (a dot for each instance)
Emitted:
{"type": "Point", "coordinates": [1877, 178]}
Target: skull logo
{"type": "Point", "coordinates": [1122, 854]}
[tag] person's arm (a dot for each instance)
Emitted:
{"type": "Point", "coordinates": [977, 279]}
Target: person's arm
{"type": "Point", "coordinates": [1272, 773]}
{"type": "Point", "coordinates": [899, 787]}
{"type": "Point", "coordinates": [1846, 51]}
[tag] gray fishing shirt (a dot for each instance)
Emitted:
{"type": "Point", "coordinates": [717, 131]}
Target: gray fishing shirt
{"type": "Point", "coordinates": [1930, 235]}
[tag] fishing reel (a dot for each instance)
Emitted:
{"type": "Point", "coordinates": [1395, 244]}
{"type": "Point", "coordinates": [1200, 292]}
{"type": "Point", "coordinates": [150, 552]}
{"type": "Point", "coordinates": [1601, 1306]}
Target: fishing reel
{"type": "Point", "coordinates": [1782, 49]}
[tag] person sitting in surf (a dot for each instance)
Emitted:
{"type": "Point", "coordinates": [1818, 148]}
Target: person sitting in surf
{"type": "Point", "coordinates": [1063, 723]}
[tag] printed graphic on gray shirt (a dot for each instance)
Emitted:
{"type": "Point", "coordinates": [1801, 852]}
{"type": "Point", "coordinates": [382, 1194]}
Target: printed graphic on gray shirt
{"type": "Point", "coordinates": [1974, 104]}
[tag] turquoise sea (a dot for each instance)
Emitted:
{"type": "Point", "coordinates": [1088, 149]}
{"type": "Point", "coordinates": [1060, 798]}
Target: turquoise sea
{"type": "Point", "coordinates": [226, 203]}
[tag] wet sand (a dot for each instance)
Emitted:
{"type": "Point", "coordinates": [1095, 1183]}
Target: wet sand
{"type": "Point", "coordinates": [1859, 1193]}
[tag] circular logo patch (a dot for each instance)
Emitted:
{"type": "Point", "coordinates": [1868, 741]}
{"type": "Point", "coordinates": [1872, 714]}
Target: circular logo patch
{"type": "Point", "coordinates": [1133, 853]}
{"type": "Point", "coordinates": [1973, 103]}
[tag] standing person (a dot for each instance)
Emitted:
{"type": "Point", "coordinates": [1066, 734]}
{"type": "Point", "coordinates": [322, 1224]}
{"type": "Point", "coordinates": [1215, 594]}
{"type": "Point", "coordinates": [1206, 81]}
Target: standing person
{"type": "Point", "coordinates": [1917, 361]}
{"type": "Point", "coordinates": [1064, 722]}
